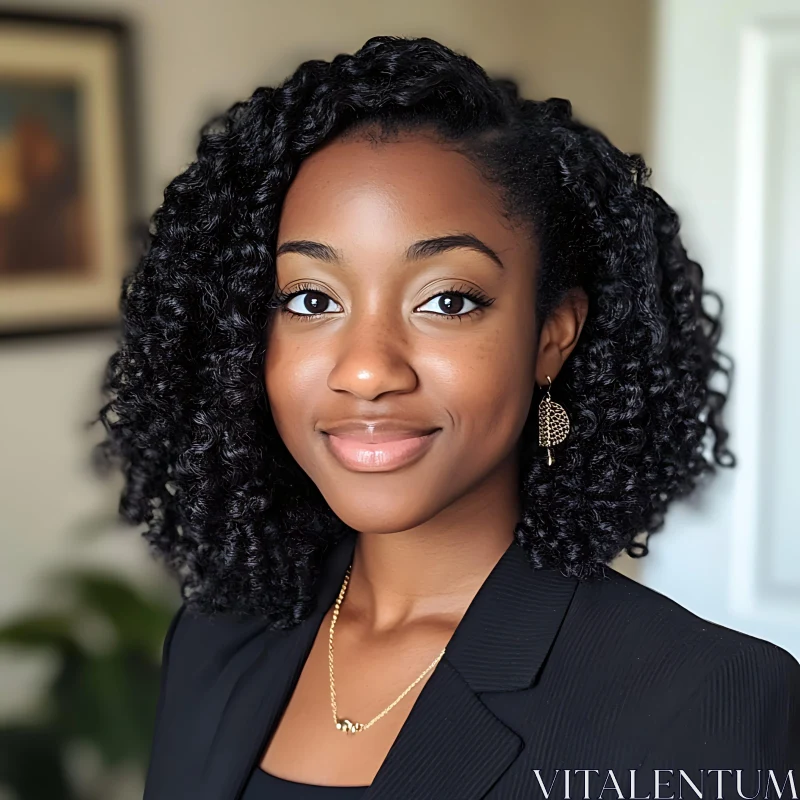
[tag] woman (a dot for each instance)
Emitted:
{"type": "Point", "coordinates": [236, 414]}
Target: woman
{"type": "Point", "coordinates": [408, 360]}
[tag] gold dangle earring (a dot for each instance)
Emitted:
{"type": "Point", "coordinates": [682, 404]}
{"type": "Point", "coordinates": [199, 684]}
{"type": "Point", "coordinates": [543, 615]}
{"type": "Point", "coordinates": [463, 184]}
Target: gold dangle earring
{"type": "Point", "coordinates": [553, 423]}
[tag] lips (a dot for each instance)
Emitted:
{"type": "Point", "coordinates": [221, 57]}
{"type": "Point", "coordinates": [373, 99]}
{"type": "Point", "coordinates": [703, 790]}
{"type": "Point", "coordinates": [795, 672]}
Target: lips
{"type": "Point", "coordinates": [377, 446]}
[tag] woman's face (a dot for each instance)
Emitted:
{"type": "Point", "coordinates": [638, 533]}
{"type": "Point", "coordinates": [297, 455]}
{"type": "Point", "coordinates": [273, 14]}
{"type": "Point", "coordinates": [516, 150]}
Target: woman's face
{"type": "Point", "coordinates": [382, 333]}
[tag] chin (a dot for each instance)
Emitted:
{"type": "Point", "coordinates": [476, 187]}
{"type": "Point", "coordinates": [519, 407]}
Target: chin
{"type": "Point", "coordinates": [374, 513]}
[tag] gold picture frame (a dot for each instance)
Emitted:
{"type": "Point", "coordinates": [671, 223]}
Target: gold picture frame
{"type": "Point", "coordinates": [66, 172]}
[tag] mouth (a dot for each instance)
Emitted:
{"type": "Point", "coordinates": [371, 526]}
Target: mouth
{"type": "Point", "coordinates": [360, 452]}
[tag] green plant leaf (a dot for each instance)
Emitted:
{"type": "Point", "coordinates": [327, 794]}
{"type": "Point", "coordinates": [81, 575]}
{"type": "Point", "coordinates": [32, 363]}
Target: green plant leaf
{"type": "Point", "coordinates": [106, 698]}
{"type": "Point", "coordinates": [110, 700]}
{"type": "Point", "coordinates": [31, 764]}
{"type": "Point", "coordinates": [38, 630]}
{"type": "Point", "coordinates": [138, 620]}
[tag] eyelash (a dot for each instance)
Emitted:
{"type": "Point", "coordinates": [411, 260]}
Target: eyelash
{"type": "Point", "coordinates": [280, 300]}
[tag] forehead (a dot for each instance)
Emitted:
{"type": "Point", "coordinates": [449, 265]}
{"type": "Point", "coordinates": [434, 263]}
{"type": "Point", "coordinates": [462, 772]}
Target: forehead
{"type": "Point", "coordinates": [412, 182]}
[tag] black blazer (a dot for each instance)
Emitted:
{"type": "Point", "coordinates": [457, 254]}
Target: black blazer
{"type": "Point", "coordinates": [543, 673]}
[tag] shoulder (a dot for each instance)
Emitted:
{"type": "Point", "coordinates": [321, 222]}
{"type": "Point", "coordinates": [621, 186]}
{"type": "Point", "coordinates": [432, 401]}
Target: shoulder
{"type": "Point", "coordinates": [622, 610]}
{"type": "Point", "coordinates": [717, 692]}
{"type": "Point", "coordinates": [204, 658]}
{"type": "Point", "coordinates": [196, 643]}
{"type": "Point", "coordinates": [190, 628]}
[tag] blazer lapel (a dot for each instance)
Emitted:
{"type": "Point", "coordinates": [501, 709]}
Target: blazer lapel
{"type": "Point", "coordinates": [452, 745]}
{"type": "Point", "coordinates": [262, 691]}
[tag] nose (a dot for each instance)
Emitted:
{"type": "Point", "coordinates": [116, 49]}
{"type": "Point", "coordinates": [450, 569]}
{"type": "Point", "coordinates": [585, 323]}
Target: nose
{"type": "Point", "coordinates": [372, 359]}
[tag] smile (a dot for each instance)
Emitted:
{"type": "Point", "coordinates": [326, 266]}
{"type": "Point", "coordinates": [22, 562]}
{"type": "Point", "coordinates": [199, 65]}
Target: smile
{"type": "Point", "coordinates": [360, 456]}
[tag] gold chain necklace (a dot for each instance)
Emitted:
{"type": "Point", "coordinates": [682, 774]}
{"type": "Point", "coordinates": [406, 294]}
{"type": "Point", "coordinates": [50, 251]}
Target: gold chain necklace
{"type": "Point", "coordinates": [346, 725]}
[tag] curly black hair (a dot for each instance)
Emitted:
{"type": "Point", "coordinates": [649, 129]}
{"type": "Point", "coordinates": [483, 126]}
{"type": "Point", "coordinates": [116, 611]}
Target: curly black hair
{"type": "Point", "coordinates": [186, 413]}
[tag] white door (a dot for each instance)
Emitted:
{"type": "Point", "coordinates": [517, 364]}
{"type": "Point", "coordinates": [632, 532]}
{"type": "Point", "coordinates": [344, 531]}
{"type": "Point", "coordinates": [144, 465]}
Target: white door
{"type": "Point", "coordinates": [726, 154]}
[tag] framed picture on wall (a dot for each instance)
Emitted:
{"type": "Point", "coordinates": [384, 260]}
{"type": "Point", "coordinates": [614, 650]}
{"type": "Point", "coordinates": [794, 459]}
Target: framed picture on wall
{"type": "Point", "coordinates": [66, 172]}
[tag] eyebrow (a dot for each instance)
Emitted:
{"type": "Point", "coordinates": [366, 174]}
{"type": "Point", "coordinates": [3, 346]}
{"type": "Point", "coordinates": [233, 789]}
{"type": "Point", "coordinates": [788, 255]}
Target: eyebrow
{"type": "Point", "coordinates": [424, 248]}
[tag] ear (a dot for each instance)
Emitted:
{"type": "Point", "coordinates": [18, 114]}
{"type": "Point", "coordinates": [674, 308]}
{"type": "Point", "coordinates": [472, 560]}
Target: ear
{"type": "Point", "coordinates": [560, 334]}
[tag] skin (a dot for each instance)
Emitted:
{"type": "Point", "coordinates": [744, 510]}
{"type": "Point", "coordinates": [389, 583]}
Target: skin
{"type": "Point", "coordinates": [430, 532]}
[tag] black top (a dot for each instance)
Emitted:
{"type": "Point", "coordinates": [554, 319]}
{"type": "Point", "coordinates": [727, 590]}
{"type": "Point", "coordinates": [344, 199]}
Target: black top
{"type": "Point", "coordinates": [544, 678]}
{"type": "Point", "coordinates": [264, 786]}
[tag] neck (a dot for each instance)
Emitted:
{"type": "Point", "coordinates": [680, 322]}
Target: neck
{"type": "Point", "coordinates": [434, 569]}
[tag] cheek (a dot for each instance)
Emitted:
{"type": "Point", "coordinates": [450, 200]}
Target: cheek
{"type": "Point", "coordinates": [488, 384]}
{"type": "Point", "coordinates": [291, 376]}
{"type": "Point", "coordinates": [506, 398]}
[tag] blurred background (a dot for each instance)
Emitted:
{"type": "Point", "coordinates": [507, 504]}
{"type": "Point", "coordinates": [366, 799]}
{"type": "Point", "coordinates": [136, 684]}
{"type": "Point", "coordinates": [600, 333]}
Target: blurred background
{"type": "Point", "coordinates": [100, 106]}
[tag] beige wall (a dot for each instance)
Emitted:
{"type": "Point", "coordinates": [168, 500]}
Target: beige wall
{"type": "Point", "coordinates": [196, 57]}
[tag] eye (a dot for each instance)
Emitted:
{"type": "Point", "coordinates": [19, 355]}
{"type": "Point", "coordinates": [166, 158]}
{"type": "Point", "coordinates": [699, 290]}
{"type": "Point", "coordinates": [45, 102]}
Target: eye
{"type": "Point", "coordinates": [454, 303]}
{"type": "Point", "coordinates": [310, 303]}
